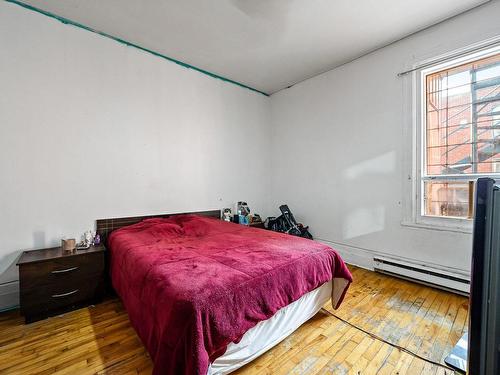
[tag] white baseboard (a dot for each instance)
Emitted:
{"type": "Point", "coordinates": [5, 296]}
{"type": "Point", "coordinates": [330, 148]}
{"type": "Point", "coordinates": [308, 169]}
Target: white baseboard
{"type": "Point", "coordinates": [351, 255]}
{"type": "Point", "coordinates": [9, 295]}
{"type": "Point", "coordinates": [365, 259]}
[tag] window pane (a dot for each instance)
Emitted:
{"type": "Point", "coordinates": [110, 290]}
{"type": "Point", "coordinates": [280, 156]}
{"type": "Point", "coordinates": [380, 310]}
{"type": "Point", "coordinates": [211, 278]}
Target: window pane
{"type": "Point", "coordinates": [488, 72]}
{"type": "Point", "coordinates": [450, 198]}
{"type": "Point", "coordinates": [436, 119]}
{"type": "Point", "coordinates": [463, 119]}
{"type": "Point", "coordinates": [454, 159]}
{"type": "Point", "coordinates": [458, 134]}
{"type": "Point", "coordinates": [488, 93]}
{"type": "Point", "coordinates": [453, 135]}
{"type": "Point", "coordinates": [488, 168]}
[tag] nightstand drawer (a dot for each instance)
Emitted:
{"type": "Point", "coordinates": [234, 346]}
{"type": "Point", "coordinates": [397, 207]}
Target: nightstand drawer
{"type": "Point", "coordinates": [54, 297]}
{"type": "Point", "coordinates": [62, 270]}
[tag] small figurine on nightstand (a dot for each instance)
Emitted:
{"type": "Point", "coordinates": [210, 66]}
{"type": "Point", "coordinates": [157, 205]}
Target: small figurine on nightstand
{"type": "Point", "coordinates": [226, 214]}
{"type": "Point", "coordinates": [243, 211]}
{"type": "Point", "coordinates": [88, 239]}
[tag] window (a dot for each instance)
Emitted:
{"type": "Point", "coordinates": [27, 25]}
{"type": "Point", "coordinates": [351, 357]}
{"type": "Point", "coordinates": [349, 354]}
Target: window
{"type": "Point", "coordinates": [461, 133]}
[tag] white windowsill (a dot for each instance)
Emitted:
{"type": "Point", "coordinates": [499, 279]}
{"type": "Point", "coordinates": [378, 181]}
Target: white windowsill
{"type": "Point", "coordinates": [441, 224]}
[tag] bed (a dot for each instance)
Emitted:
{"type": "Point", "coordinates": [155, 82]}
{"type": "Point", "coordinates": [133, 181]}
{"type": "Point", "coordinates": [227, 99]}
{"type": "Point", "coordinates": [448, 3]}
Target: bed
{"type": "Point", "coordinates": [206, 296]}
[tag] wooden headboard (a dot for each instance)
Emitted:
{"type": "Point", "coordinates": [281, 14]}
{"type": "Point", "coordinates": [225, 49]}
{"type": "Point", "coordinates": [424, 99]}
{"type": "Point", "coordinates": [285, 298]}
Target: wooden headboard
{"type": "Point", "coordinates": [105, 226]}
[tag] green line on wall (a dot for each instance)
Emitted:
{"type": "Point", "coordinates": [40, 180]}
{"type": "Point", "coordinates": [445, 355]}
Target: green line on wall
{"type": "Point", "coordinates": [122, 41]}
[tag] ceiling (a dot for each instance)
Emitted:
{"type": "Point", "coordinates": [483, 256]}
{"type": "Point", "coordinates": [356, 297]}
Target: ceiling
{"type": "Point", "coordinates": [264, 44]}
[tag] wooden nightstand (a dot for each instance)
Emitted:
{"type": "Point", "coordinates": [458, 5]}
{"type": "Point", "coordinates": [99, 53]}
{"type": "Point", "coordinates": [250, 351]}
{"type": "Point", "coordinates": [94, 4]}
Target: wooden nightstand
{"type": "Point", "coordinates": [52, 281]}
{"type": "Point", "coordinates": [258, 224]}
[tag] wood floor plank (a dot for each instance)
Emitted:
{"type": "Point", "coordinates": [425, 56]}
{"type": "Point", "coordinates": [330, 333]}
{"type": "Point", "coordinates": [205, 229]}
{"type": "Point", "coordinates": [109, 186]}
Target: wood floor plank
{"type": "Point", "coordinates": [100, 339]}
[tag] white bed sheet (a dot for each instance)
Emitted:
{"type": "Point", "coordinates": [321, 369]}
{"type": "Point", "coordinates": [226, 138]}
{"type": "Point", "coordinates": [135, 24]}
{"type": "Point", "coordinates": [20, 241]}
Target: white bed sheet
{"type": "Point", "coordinates": [272, 331]}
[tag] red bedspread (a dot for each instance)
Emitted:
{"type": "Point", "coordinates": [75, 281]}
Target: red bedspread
{"type": "Point", "coordinates": [192, 285]}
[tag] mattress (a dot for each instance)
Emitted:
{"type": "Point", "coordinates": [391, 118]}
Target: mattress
{"type": "Point", "coordinates": [270, 332]}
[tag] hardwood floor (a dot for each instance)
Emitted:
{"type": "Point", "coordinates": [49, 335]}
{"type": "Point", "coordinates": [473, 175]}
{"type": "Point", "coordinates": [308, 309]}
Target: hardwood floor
{"type": "Point", "coordinates": [100, 339]}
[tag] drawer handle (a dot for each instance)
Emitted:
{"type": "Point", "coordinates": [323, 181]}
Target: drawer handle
{"type": "Point", "coordinates": [66, 270]}
{"type": "Point", "coordinates": [65, 294]}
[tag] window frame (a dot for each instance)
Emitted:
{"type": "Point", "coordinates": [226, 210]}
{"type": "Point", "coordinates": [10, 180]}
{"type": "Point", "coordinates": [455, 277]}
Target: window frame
{"type": "Point", "coordinates": [460, 224]}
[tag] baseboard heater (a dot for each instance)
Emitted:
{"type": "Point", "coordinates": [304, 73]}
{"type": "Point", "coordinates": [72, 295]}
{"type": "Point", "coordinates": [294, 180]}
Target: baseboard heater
{"type": "Point", "coordinates": [428, 275]}
{"type": "Point", "coordinates": [9, 295]}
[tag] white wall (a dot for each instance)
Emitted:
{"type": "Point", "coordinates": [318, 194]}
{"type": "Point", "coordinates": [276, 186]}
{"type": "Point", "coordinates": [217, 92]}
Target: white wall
{"type": "Point", "coordinates": [339, 155]}
{"type": "Point", "coordinates": [90, 128]}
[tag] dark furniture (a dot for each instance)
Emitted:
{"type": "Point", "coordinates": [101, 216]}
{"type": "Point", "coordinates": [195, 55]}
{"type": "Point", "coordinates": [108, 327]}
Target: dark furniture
{"type": "Point", "coordinates": [478, 352]}
{"type": "Point", "coordinates": [257, 224]}
{"type": "Point", "coordinates": [106, 226]}
{"type": "Point", "coordinates": [52, 281]}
